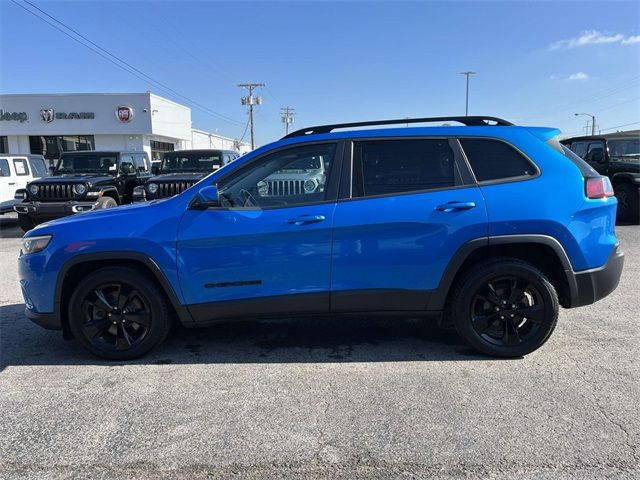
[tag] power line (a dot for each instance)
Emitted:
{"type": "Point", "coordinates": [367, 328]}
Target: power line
{"type": "Point", "coordinates": [619, 126]}
{"type": "Point", "coordinates": [114, 59]}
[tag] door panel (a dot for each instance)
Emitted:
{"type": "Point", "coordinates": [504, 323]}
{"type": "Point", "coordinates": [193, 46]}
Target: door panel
{"type": "Point", "coordinates": [242, 254]}
{"type": "Point", "coordinates": [389, 252]}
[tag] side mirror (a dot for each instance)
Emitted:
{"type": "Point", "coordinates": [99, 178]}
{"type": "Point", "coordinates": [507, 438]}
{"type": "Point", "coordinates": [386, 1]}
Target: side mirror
{"type": "Point", "coordinates": [208, 197]}
{"type": "Point", "coordinates": [126, 168]}
{"type": "Point", "coordinates": [155, 170]}
{"type": "Point", "coordinates": [52, 170]}
{"type": "Point", "coordinates": [597, 156]}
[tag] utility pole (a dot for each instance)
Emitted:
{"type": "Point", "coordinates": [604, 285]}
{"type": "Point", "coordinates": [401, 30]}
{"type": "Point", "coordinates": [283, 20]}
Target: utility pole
{"type": "Point", "coordinates": [593, 121]}
{"type": "Point", "coordinates": [287, 114]}
{"type": "Point", "coordinates": [250, 101]}
{"type": "Point", "coordinates": [467, 74]}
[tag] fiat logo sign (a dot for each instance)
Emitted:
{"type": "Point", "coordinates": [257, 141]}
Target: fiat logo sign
{"type": "Point", "coordinates": [124, 113]}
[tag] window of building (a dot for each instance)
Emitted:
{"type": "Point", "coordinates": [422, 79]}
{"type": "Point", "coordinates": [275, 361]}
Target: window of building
{"type": "Point", "coordinates": [52, 146]}
{"type": "Point", "coordinates": [399, 166]}
{"type": "Point", "coordinates": [159, 148]}
{"type": "Point", "coordinates": [4, 145]}
{"type": "Point", "coordinates": [495, 160]}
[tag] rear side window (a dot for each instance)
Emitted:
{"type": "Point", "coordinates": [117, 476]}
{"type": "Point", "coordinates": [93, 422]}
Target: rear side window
{"type": "Point", "coordinates": [21, 167]}
{"type": "Point", "coordinates": [495, 160]}
{"type": "Point", "coordinates": [4, 168]}
{"type": "Point", "coordinates": [399, 166]}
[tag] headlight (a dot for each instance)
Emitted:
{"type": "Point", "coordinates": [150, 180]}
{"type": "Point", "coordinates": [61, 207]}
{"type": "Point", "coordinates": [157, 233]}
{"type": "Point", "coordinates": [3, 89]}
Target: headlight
{"type": "Point", "coordinates": [35, 244]}
{"type": "Point", "coordinates": [310, 186]}
{"type": "Point", "coordinates": [79, 189]}
{"type": "Point", "coordinates": [33, 189]}
{"type": "Point", "coordinates": [152, 187]}
{"type": "Point", "coordinates": [263, 189]}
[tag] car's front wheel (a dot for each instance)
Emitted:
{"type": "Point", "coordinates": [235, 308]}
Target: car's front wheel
{"type": "Point", "coordinates": [505, 307]}
{"type": "Point", "coordinates": [119, 313]}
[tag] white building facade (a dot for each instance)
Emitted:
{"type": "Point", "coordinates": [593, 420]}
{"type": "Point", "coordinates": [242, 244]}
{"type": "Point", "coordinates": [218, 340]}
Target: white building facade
{"type": "Point", "coordinates": [52, 123]}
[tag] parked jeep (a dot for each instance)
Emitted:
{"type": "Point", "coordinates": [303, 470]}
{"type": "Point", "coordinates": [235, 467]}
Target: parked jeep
{"type": "Point", "coordinates": [487, 226]}
{"type": "Point", "coordinates": [305, 176]}
{"type": "Point", "coordinates": [616, 155]}
{"type": "Point", "coordinates": [180, 170]}
{"type": "Point", "coordinates": [16, 170]}
{"type": "Point", "coordinates": [81, 182]}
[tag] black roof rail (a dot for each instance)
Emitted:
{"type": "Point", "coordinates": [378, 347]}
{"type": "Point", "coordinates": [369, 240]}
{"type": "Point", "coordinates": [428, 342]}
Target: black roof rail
{"type": "Point", "coordinates": [468, 121]}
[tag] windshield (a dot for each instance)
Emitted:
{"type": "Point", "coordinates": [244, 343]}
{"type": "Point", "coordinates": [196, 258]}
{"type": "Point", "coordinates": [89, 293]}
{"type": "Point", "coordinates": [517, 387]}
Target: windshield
{"type": "Point", "coordinates": [99, 163]}
{"type": "Point", "coordinates": [308, 163]}
{"type": "Point", "coordinates": [191, 162]}
{"type": "Point", "coordinates": [623, 148]}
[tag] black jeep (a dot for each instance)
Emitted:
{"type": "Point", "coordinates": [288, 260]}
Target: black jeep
{"type": "Point", "coordinates": [81, 182]}
{"type": "Point", "coordinates": [616, 155]}
{"type": "Point", "coordinates": [179, 170]}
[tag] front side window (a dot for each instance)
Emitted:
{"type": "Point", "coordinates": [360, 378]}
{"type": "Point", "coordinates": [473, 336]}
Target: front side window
{"type": "Point", "coordinates": [21, 167]}
{"type": "Point", "coordinates": [293, 176]}
{"type": "Point", "coordinates": [87, 164]}
{"type": "Point", "coordinates": [142, 164]}
{"type": "Point", "coordinates": [580, 149]}
{"type": "Point", "coordinates": [384, 167]}
{"type": "Point", "coordinates": [595, 153]}
{"type": "Point", "coordinates": [495, 160]}
{"type": "Point", "coordinates": [625, 148]}
{"type": "Point", "coordinates": [38, 167]}
{"type": "Point", "coordinates": [4, 168]}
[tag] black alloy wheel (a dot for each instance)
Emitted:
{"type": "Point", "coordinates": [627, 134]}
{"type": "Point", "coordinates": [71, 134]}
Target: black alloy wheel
{"type": "Point", "coordinates": [119, 313]}
{"type": "Point", "coordinates": [504, 307]}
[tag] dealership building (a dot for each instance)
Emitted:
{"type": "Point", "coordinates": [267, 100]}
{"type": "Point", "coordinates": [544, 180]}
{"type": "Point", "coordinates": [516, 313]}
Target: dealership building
{"type": "Point", "coordinates": [49, 124]}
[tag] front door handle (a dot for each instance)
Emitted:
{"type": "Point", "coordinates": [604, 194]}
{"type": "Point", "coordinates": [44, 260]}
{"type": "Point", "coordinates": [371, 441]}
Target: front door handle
{"type": "Point", "coordinates": [304, 219]}
{"type": "Point", "coordinates": [453, 206]}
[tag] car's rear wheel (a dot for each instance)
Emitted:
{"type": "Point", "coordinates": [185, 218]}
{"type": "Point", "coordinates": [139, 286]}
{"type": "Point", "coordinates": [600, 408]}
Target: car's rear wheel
{"type": "Point", "coordinates": [26, 222]}
{"type": "Point", "coordinates": [505, 307]}
{"type": "Point", "coordinates": [119, 313]}
{"type": "Point", "coordinates": [106, 202]}
{"type": "Point", "coordinates": [628, 199]}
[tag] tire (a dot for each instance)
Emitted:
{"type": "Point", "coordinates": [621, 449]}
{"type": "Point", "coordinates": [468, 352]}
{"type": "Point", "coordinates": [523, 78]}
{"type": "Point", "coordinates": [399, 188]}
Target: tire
{"type": "Point", "coordinates": [504, 307]}
{"type": "Point", "coordinates": [26, 222]}
{"type": "Point", "coordinates": [628, 199]}
{"type": "Point", "coordinates": [106, 202]}
{"type": "Point", "coordinates": [101, 318]}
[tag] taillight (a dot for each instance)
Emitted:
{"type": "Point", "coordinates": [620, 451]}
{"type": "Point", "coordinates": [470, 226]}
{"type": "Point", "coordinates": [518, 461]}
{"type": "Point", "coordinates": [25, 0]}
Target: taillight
{"type": "Point", "coordinates": [599, 187]}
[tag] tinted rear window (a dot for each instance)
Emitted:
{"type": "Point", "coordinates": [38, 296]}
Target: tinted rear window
{"type": "Point", "coordinates": [495, 160]}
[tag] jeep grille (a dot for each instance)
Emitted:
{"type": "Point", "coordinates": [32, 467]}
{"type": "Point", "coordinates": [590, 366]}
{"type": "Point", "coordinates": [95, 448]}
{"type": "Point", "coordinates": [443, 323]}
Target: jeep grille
{"type": "Point", "coordinates": [281, 188]}
{"type": "Point", "coordinates": [55, 191]}
{"type": "Point", "coordinates": [171, 189]}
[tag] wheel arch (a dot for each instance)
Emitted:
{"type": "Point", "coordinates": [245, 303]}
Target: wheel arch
{"type": "Point", "coordinates": [625, 177]}
{"type": "Point", "coordinates": [76, 268]}
{"type": "Point", "coordinates": [542, 251]}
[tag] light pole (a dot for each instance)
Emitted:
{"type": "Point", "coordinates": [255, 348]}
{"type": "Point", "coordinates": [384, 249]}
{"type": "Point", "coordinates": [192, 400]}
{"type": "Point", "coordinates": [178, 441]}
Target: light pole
{"type": "Point", "coordinates": [467, 74]}
{"type": "Point", "coordinates": [593, 121]}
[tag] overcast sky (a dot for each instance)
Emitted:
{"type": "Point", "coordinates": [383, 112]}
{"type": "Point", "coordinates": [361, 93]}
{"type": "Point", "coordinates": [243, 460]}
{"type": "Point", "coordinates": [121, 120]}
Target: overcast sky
{"type": "Point", "coordinates": [538, 62]}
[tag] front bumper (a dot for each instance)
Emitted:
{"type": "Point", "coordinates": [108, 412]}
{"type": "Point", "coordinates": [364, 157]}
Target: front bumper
{"type": "Point", "coordinates": [596, 283]}
{"type": "Point", "coordinates": [52, 210]}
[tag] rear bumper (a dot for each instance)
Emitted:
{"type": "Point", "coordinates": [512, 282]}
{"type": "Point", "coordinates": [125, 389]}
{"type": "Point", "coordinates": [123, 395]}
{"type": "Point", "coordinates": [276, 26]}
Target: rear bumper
{"type": "Point", "coordinates": [50, 210]}
{"type": "Point", "coordinates": [595, 284]}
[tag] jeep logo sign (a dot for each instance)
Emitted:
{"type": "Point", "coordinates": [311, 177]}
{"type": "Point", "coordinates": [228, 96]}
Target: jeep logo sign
{"type": "Point", "coordinates": [124, 113]}
{"type": "Point", "coordinates": [13, 116]}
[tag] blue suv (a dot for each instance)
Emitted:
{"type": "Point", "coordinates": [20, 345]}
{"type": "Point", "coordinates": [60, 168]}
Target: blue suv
{"type": "Point", "coordinates": [487, 226]}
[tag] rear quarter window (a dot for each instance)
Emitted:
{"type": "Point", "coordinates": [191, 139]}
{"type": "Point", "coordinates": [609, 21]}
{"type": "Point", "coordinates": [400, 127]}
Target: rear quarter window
{"type": "Point", "coordinates": [495, 160]}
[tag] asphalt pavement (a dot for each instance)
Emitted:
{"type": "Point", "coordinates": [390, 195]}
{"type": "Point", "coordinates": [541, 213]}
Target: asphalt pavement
{"type": "Point", "coordinates": [359, 398]}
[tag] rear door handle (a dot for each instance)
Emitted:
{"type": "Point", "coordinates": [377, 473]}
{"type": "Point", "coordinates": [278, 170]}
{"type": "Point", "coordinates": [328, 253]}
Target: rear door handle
{"type": "Point", "coordinates": [453, 206]}
{"type": "Point", "coordinates": [304, 219]}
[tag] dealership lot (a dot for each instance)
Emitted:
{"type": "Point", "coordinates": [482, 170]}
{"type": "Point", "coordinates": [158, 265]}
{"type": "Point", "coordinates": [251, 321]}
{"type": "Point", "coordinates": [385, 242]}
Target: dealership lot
{"type": "Point", "coordinates": [351, 398]}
